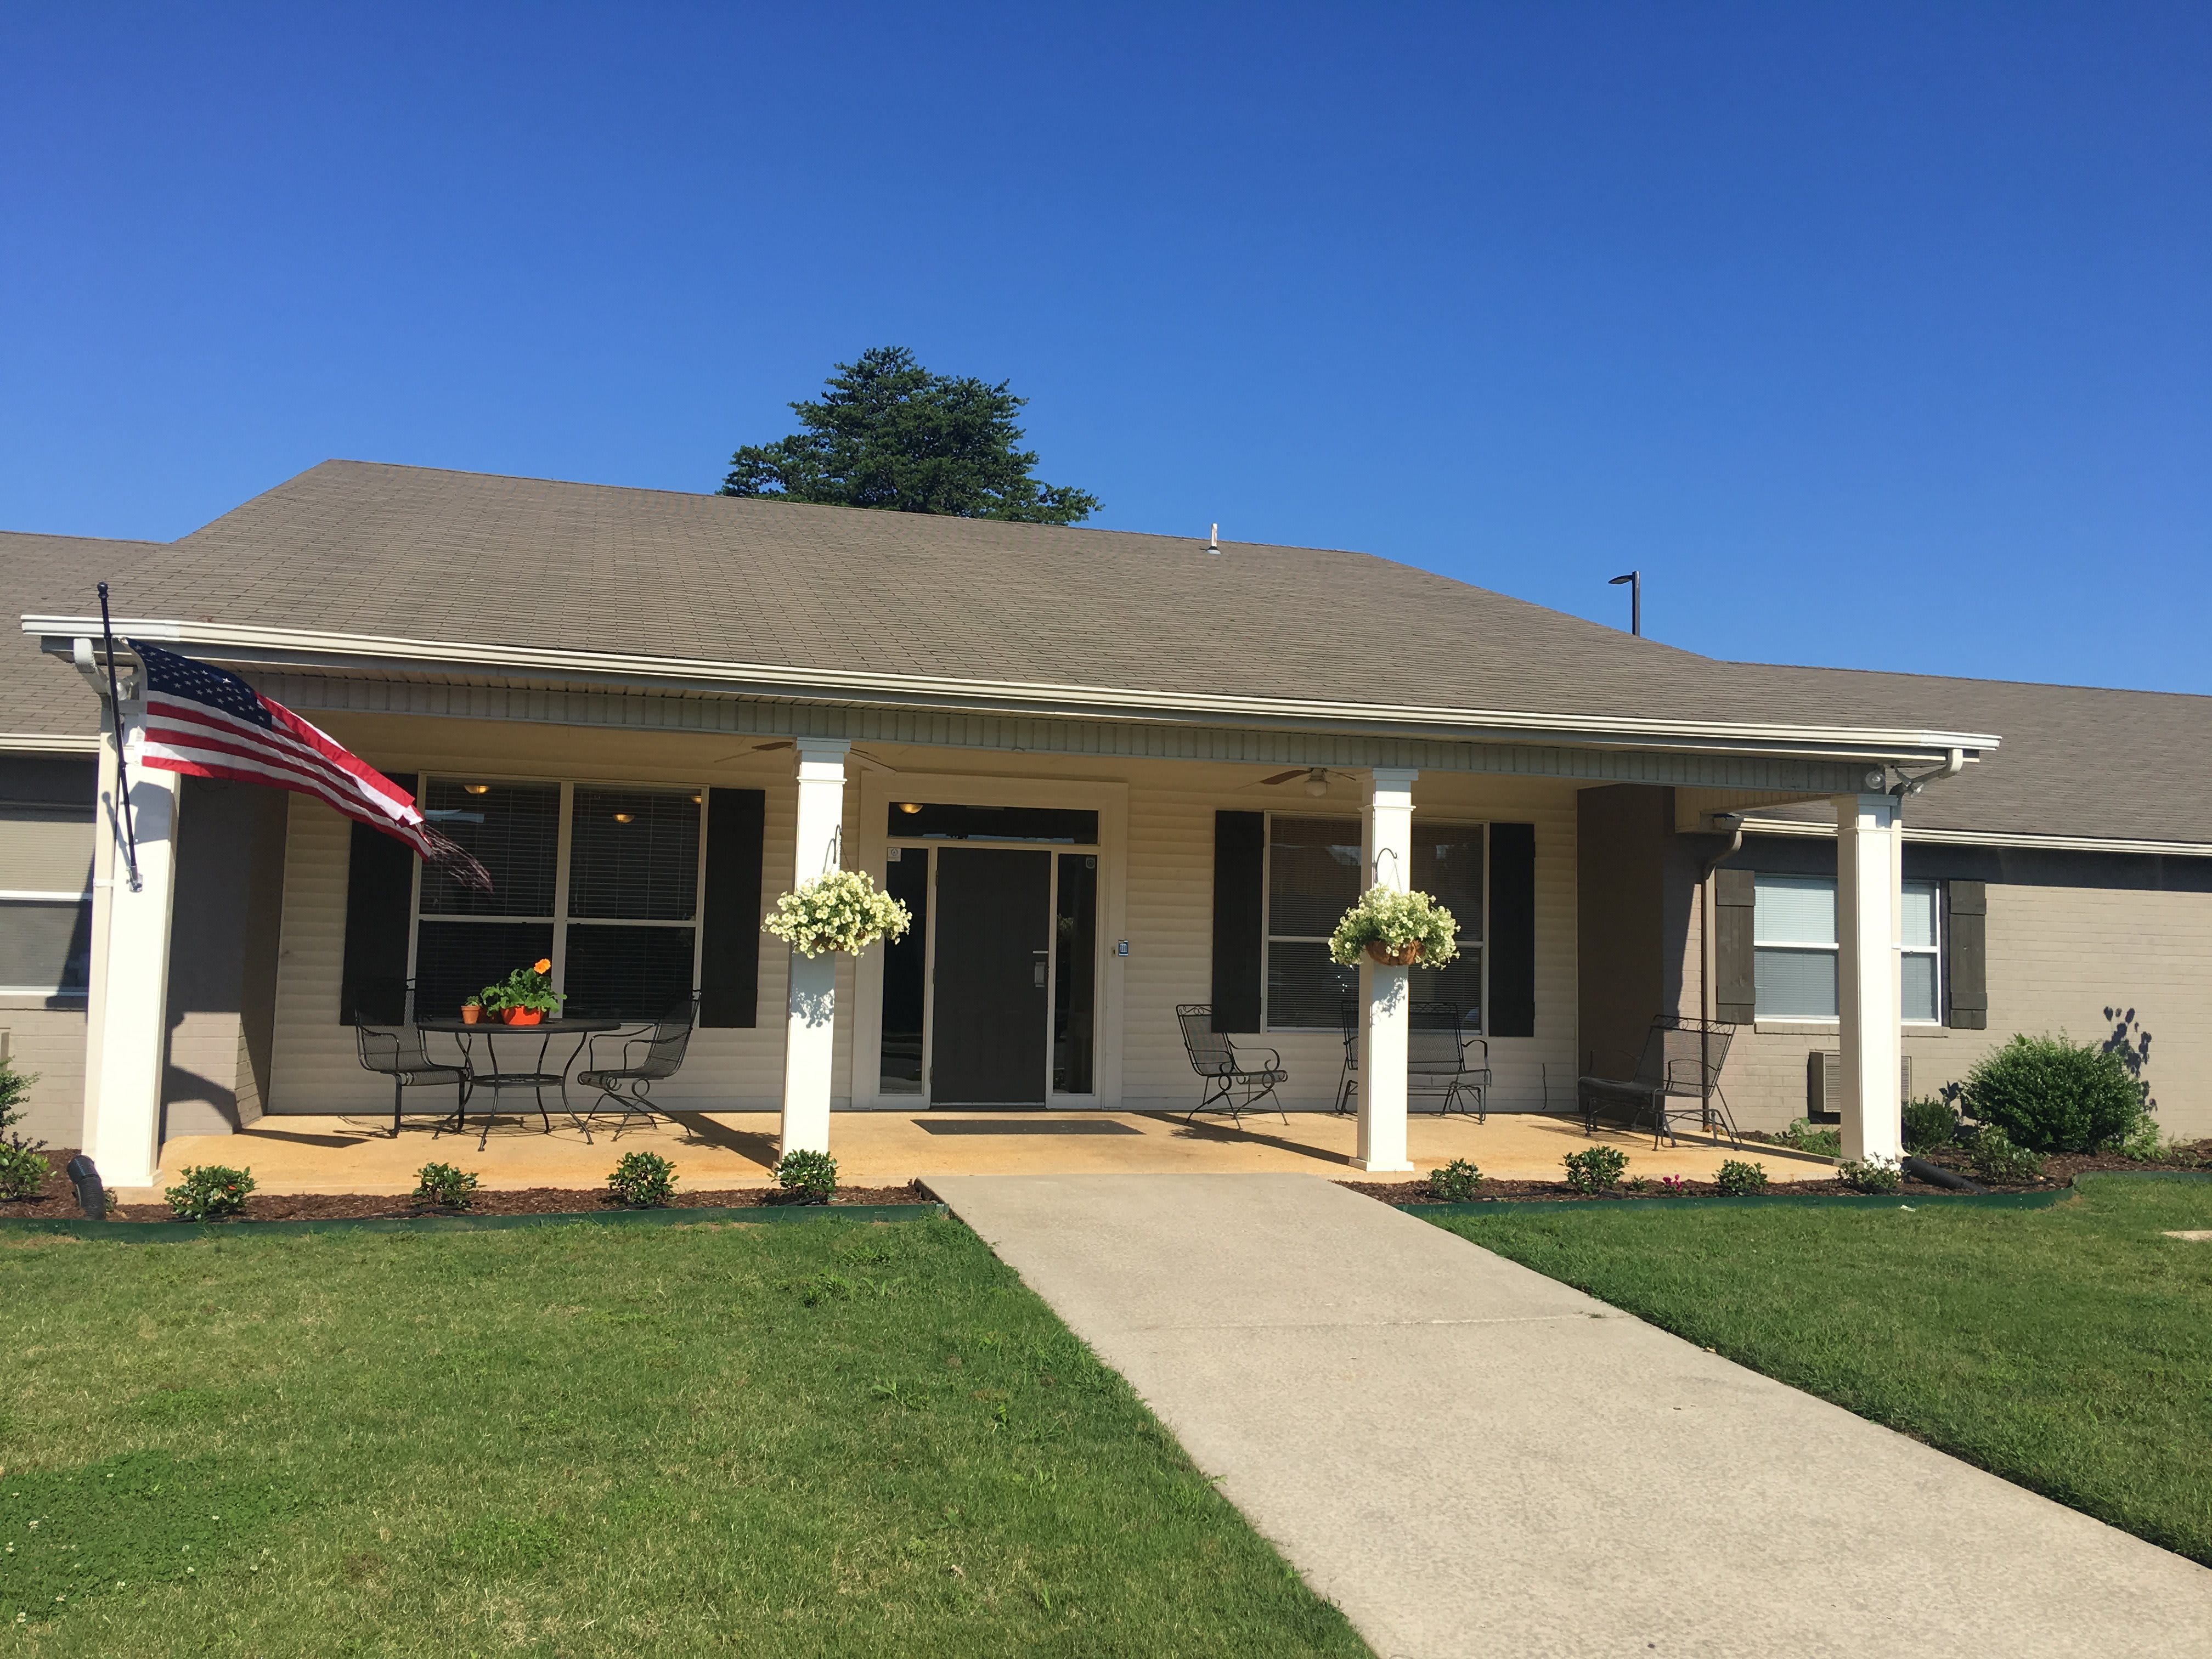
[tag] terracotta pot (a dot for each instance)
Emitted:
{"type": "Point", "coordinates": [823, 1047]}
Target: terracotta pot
{"type": "Point", "coordinates": [1406, 956]}
{"type": "Point", "coordinates": [525, 1016]}
{"type": "Point", "coordinates": [470, 1012]}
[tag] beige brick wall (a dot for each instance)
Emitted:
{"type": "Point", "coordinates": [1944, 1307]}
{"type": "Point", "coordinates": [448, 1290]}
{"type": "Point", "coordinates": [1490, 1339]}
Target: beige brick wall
{"type": "Point", "coordinates": [2058, 958]}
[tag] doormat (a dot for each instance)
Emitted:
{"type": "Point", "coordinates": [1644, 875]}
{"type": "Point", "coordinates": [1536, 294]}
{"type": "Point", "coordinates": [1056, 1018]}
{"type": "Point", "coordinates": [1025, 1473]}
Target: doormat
{"type": "Point", "coordinates": [1019, 1126]}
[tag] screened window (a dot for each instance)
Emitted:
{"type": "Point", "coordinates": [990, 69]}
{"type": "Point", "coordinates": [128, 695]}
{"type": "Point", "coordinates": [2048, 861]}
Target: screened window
{"type": "Point", "coordinates": [1795, 949]}
{"type": "Point", "coordinates": [1314, 877]}
{"type": "Point", "coordinates": [46, 894]}
{"type": "Point", "coordinates": [602, 879]}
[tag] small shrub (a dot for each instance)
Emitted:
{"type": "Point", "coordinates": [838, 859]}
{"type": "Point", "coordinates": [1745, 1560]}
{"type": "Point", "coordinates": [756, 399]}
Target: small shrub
{"type": "Point", "coordinates": [807, 1177]}
{"type": "Point", "coordinates": [22, 1171]}
{"type": "Point", "coordinates": [1821, 1141]}
{"type": "Point", "coordinates": [1456, 1183]}
{"type": "Point", "coordinates": [1929, 1124]}
{"type": "Point", "coordinates": [1596, 1169]}
{"type": "Point", "coordinates": [1873, 1174]}
{"type": "Point", "coordinates": [2143, 1143]}
{"type": "Point", "coordinates": [1996, 1160]}
{"type": "Point", "coordinates": [208, 1192]}
{"type": "Point", "coordinates": [444, 1186]}
{"type": "Point", "coordinates": [1739, 1180]}
{"type": "Point", "coordinates": [2052, 1095]}
{"type": "Point", "coordinates": [643, 1181]}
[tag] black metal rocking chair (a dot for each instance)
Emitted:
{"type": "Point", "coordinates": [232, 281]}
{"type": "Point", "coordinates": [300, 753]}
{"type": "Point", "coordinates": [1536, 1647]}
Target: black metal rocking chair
{"type": "Point", "coordinates": [1233, 1084]}
{"type": "Point", "coordinates": [651, 1054]}
{"type": "Point", "coordinates": [1440, 1059]}
{"type": "Point", "coordinates": [1681, 1061]}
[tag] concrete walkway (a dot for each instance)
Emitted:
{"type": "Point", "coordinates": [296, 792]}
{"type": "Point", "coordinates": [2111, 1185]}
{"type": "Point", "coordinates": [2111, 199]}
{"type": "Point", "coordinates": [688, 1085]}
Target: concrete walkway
{"type": "Point", "coordinates": [1469, 1458]}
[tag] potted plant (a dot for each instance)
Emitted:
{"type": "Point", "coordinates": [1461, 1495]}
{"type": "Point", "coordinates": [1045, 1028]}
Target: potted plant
{"type": "Point", "coordinates": [840, 911]}
{"type": "Point", "coordinates": [523, 998]}
{"type": "Point", "coordinates": [1396, 930]}
{"type": "Point", "coordinates": [472, 1010]}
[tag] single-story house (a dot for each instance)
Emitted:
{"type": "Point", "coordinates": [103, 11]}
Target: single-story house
{"type": "Point", "coordinates": [1112, 774]}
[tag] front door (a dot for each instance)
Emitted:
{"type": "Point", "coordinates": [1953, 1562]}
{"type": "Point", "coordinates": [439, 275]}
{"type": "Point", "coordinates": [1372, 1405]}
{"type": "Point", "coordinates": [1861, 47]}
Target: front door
{"type": "Point", "coordinates": [988, 1036]}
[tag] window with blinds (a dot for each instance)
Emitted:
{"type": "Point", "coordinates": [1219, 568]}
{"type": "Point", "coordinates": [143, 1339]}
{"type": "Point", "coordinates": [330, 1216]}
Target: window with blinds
{"type": "Point", "coordinates": [1795, 949]}
{"type": "Point", "coordinates": [602, 879]}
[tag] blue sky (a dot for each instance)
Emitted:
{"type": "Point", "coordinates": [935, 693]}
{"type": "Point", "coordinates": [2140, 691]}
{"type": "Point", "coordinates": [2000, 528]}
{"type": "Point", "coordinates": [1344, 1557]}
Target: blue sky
{"type": "Point", "coordinates": [1877, 336]}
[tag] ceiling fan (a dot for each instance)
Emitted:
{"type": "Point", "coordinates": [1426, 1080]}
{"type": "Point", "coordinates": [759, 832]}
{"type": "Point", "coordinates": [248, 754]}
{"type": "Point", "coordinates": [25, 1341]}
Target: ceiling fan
{"type": "Point", "coordinates": [1316, 779]}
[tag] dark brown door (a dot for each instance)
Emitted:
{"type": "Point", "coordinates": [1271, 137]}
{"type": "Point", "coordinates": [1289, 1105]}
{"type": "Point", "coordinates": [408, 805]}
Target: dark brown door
{"type": "Point", "coordinates": [994, 948]}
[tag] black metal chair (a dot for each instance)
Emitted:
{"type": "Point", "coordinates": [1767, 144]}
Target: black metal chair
{"type": "Point", "coordinates": [1438, 1052]}
{"type": "Point", "coordinates": [1347, 1081]}
{"type": "Point", "coordinates": [652, 1053]}
{"type": "Point", "coordinates": [1681, 1061]}
{"type": "Point", "coordinates": [1233, 1084]}
{"type": "Point", "coordinates": [400, 1051]}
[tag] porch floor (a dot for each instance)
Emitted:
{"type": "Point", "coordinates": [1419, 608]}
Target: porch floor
{"type": "Point", "coordinates": [714, 1149]}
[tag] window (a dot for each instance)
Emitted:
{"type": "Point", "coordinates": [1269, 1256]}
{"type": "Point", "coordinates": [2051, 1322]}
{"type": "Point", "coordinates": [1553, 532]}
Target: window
{"type": "Point", "coordinates": [1919, 963]}
{"type": "Point", "coordinates": [1794, 949]}
{"type": "Point", "coordinates": [46, 898]}
{"type": "Point", "coordinates": [1314, 876]}
{"type": "Point", "coordinates": [603, 879]}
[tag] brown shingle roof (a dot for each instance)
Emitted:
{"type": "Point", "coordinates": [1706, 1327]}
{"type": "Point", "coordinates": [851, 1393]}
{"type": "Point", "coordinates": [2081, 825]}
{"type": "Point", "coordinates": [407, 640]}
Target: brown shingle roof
{"type": "Point", "coordinates": [53, 573]}
{"type": "Point", "coordinates": [353, 547]}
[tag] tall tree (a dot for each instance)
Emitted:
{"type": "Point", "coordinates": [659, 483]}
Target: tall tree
{"type": "Point", "coordinates": [887, 432]}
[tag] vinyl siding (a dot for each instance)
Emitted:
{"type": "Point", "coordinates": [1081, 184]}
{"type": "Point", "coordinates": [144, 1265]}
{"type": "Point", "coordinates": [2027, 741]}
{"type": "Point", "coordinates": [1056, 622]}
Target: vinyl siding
{"type": "Point", "coordinates": [48, 1043]}
{"type": "Point", "coordinates": [1168, 886]}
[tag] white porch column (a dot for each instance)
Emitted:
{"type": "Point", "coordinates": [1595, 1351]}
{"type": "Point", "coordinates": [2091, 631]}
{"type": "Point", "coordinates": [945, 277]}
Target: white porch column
{"type": "Point", "coordinates": [1869, 910]}
{"type": "Point", "coordinates": [127, 1042]}
{"type": "Point", "coordinates": [1387, 841]}
{"type": "Point", "coordinates": [810, 1040]}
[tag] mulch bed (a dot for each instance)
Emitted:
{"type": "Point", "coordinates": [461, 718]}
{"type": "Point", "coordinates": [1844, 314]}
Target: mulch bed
{"type": "Point", "coordinates": [2059, 1169]}
{"type": "Point", "coordinates": [57, 1202]}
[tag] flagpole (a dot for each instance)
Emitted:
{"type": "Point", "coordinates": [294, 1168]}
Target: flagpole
{"type": "Point", "coordinates": [122, 779]}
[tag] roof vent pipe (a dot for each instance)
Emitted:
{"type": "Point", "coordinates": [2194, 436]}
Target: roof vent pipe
{"type": "Point", "coordinates": [1214, 540]}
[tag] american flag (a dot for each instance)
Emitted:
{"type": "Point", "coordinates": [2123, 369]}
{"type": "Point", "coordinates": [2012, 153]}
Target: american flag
{"type": "Point", "coordinates": [212, 724]}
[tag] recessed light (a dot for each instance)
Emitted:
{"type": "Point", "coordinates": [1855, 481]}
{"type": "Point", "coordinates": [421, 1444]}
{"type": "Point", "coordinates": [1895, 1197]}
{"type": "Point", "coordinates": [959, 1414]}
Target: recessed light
{"type": "Point", "coordinates": [477, 788]}
{"type": "Point", "coordinates": [909, 806]}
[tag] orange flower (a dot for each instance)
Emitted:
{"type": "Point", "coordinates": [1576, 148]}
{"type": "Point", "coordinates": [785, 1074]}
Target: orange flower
{"type": "Point", "coordinates": [543, 964]}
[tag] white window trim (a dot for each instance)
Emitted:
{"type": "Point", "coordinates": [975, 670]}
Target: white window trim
{"type": "Point", "coordinates": [1479, 942]}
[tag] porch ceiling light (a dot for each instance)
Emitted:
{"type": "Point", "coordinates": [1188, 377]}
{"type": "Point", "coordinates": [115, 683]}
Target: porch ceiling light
{"type": "Point", "coordinates": [909, 806]}
{"type": "Point", "coordinates": [1317, 782]}
{"type": "Point", "coordinates": [622, 818]}
{"type": "Point", "coordinates": [477, 788]}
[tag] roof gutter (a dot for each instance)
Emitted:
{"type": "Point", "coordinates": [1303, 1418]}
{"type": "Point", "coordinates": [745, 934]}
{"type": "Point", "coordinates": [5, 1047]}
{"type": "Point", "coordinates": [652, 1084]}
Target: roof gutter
{"type": "Point", "coordinates": [297, 648]}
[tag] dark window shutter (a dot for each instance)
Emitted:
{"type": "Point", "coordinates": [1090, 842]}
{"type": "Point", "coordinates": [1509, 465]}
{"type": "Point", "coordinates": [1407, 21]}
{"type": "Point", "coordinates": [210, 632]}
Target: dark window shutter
{"type": "Point", "coordinates": [1512, 1012]}
{"type": "Point", "coordinates": [1734, 993]}
{"type": "Point", "coordinates": [379, 917]}
{"type": "Point", "coordinates": [1966, 949]}
{"type": "Point", "coordinates": [730, 913]}
{"type": "Point", "coordinates": [1240, 851]}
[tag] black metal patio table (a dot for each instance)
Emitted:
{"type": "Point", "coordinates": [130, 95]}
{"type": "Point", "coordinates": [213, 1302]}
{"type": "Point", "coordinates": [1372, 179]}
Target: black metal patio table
{"type": "Point", "coordinates": [535, 1078]}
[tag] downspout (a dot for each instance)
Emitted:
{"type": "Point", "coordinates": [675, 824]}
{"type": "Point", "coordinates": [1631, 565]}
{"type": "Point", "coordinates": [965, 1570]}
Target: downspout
{"type": "Point", "coordinates": [1707, 1008]}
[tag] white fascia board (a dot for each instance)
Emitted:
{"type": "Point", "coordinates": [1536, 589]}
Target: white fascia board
{"type": "Point", "coordinates": [2199, 849]}
{"type": "Point", "coordinates": [302, 649]}
{"type": "Point", "coordinates": [43, 743]}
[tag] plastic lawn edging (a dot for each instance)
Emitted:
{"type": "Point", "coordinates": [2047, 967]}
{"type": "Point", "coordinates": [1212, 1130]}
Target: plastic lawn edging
{"type": "Point", "coordinates": [155, 1232]}
{"type": "Point", "coordinates": [2036, 1201]}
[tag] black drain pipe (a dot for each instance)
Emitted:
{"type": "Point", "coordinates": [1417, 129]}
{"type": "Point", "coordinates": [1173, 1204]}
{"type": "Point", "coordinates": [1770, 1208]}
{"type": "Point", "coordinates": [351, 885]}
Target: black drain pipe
{"type": "Point", "coordinates": [1936, 1175]}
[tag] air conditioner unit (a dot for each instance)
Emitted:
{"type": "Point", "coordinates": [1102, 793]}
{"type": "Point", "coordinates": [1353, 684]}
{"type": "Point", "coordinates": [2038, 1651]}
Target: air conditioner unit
{"type": "Point", "coordinates": [1824, 1082]}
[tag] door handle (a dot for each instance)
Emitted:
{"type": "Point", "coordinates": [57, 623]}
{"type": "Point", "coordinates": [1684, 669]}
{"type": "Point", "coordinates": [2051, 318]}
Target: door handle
{"type": "Point", "coordinates": [1038, 970]}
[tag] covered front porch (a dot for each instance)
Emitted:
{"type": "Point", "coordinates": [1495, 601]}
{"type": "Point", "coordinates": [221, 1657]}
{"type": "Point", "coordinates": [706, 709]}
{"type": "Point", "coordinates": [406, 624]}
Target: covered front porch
{"type": "Point", "coordinates": [1075, 883]}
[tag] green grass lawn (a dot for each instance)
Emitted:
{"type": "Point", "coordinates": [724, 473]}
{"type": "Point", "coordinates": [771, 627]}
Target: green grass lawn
{"type": "Point", "coordinates": [2069, 1349]}
{"type": "Point", "coordinates": [820, 1437]}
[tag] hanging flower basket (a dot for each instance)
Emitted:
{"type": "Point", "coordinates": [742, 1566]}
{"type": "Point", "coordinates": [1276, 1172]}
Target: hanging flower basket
{"type": "Point", "coordinates": [1395, 930]}
{"type": "Point", "coordinates": [843, 911]}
